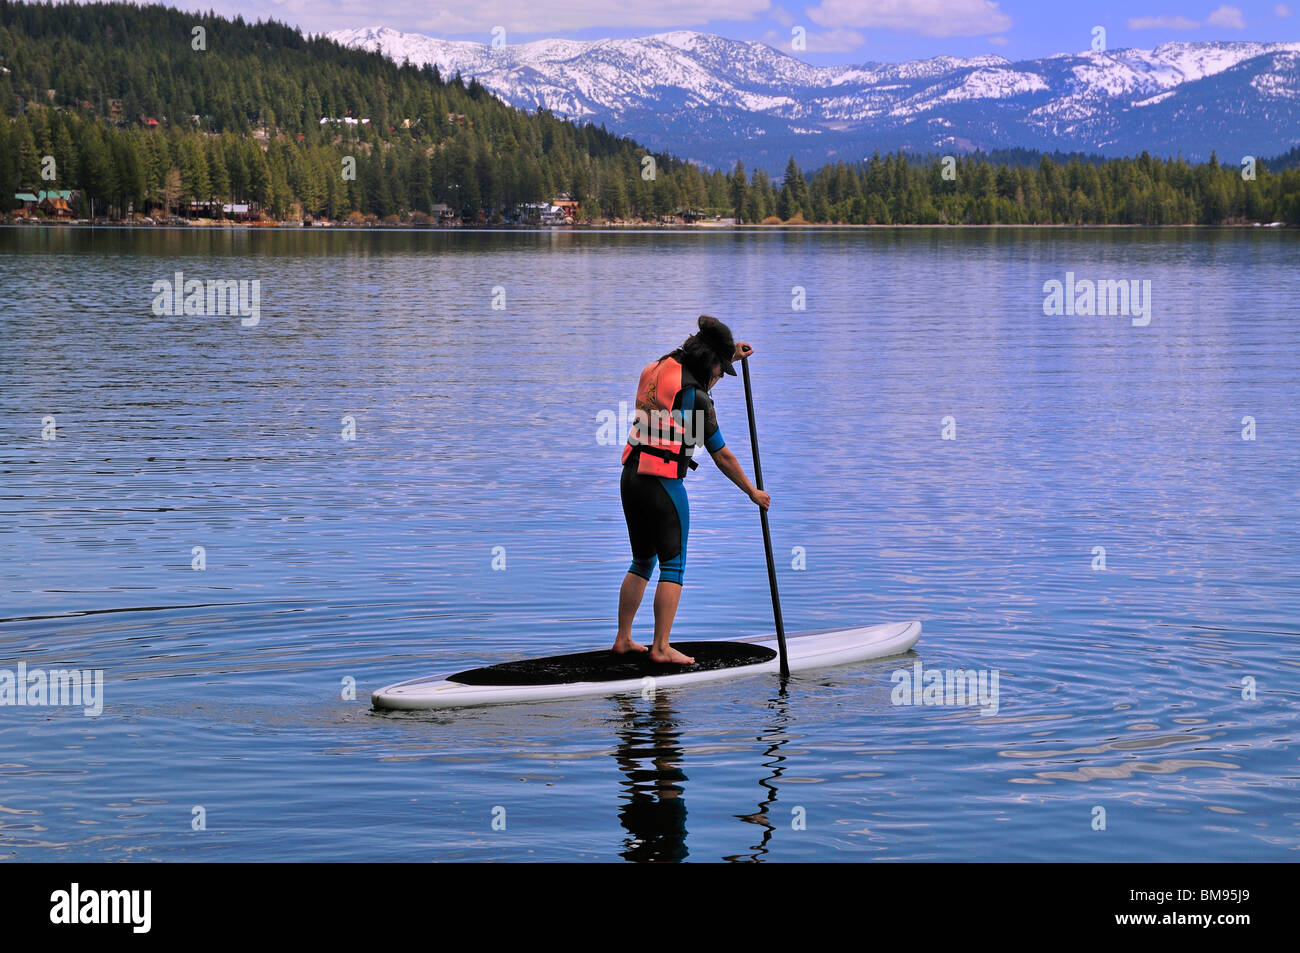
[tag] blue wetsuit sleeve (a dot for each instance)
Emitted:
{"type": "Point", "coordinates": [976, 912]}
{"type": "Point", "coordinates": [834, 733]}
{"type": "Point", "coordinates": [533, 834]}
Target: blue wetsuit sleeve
{"type": "Point", "coordinates": [713, 441]}
{"type": "Point", "coordinates": [698, 413]}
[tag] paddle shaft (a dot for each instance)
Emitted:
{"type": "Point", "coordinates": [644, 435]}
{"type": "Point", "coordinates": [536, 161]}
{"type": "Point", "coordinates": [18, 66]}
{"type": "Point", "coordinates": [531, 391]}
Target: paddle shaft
{"type": "Point", "coordinates": [767, 533]}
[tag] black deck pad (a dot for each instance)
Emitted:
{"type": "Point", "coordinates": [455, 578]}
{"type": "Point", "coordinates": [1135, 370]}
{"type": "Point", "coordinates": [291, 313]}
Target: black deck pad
{"type": "Point", "coordinates": [605, 666]}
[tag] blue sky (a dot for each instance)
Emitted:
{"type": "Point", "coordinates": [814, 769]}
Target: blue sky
{"type": "Point", "coordinates": [835, 31]}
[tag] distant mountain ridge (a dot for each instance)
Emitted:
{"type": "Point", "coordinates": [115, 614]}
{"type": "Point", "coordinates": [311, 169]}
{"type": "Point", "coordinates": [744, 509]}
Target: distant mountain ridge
{"type": "Point", "coordinates": [714, 100]}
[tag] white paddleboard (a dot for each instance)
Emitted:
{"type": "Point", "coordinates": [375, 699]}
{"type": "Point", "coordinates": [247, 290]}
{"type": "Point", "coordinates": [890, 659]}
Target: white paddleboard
{"type": "Point", "coordinates": [811, 650]}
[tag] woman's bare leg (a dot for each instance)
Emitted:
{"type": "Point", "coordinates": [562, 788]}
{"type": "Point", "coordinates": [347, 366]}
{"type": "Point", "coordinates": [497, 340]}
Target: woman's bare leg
{"type": "Point", "coordinates": [629, 600]}
{"type": "Point", "coordinates": [667, 596]}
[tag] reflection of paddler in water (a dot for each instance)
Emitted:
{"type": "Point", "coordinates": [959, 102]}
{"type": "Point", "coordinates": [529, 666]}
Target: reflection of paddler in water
{"type": "Point", "coordinates": [674, 415]}
{"type": "Point", "coordinates": [649, 754]}
{"type": "Point", "coordinates": [776, 737]}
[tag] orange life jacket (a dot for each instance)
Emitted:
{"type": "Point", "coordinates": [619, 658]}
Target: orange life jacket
{"type": "Point", "coordinates": [657, 436]}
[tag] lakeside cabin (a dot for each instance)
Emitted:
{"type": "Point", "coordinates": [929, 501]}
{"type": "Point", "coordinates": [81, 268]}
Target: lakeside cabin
{"type": "Point", "coordinates": [443, 214]}
{"type": "Point", "coordinates": [561, 210]}
{"type": "Point", "coordinates": [234, 211]}
{"type": "Point", "coordinates": [542, 213]}
{"type": "Point", "coordinates": [568, 206]}
{"type": "Point", "coordinates": [555, 215]}
{"type": "Point", "coordinates": [53, 203]}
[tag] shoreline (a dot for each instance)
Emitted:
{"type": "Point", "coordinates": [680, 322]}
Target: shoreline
{"type": "Point", "coordinates": [610, 227]}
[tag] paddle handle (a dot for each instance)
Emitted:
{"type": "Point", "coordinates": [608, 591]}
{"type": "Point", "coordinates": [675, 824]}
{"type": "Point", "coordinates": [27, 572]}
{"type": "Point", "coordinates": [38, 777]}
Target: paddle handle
{"type": "Point", "coordinates": [767, 532]}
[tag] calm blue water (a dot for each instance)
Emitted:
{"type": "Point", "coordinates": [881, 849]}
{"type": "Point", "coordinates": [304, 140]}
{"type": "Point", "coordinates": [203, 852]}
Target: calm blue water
{"type": "Point", "coordinates": [372, 559]}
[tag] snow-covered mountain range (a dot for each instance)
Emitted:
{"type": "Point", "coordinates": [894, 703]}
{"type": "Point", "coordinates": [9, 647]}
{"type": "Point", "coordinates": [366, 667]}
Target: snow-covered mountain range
{"type": "Point", "coordinates": [715, 100]}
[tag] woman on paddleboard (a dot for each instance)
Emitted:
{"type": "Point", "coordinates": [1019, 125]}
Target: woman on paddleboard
{"type": "Point", "coordinates": [674, 415]}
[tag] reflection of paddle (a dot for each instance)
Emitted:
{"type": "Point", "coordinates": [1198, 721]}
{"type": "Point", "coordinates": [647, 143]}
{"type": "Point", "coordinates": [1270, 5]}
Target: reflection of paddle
{"type": "Point", "coordinates": [767, 533]}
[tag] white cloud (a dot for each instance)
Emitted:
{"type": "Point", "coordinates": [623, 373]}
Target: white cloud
{"type": "Point", "coordinates": [999, 40]}
{"type": "Point", "coordinates": [1228, 17]}
{"type": "Point", "coordinates": [928, 17]}
{"type": "Point", "coordinates": [829, 41]}
{"type": "Point", "coordinates": [1282, 10]}
{"type": "Point", "coordinates": [782, 16]}
{"type": "Point", "coordinates": [457, 18]}
{"type": "Point", "coordinates": [1163, 22]}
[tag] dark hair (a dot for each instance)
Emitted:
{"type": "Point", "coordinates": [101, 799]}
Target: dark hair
{"type": "Point", "coordinates": [697, 359]}
{"type": "Point", "coordinates": [699, 352]}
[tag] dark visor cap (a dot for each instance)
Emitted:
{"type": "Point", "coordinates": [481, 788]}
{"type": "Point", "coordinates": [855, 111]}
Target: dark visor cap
{"type": "Point", "coordinates": [720, 341]}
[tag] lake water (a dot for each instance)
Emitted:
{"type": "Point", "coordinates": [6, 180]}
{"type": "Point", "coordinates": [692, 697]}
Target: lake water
{"type": "Point", "coordinates": [475, 518]}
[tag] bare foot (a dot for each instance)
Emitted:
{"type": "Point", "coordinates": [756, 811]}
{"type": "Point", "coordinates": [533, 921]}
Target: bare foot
{"type": "Point", "coordinates": [672, 655]}
{"type": "Point", "coordinates": [623, 646]}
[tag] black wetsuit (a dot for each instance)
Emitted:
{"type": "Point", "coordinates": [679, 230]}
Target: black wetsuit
{"type": "Point", "coordinates": [656, 508]}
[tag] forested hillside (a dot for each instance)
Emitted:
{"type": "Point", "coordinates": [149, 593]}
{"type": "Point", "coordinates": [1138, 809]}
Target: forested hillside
{"type": "Point", "coordinates": [241, 120]}
{"type": "Point", "coordinates": [973, 190]}
{"type": "Point", "coordinates": [147, 109]}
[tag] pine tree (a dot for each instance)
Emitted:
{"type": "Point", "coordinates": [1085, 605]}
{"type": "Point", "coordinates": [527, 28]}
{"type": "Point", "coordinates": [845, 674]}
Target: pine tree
{"type": "Point", "coordinates": [794, 193]}
{"type": "Point", "coordinates": [739, 191]}
{"type": "Point", "coordinates": [27, 159]}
